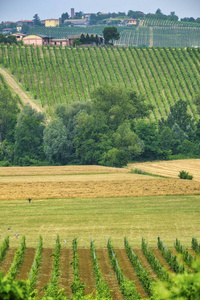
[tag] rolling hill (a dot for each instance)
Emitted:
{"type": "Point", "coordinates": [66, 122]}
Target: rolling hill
{"type": "Point", "coordinates": [64, 75]}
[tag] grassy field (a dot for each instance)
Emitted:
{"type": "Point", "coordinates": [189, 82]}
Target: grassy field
{"type": "Point", "coordinates": [149, 207]}
{"type": "Point", "coordinates": [99, 202]}
{"type": "Point", "coordinates": [135, 217]}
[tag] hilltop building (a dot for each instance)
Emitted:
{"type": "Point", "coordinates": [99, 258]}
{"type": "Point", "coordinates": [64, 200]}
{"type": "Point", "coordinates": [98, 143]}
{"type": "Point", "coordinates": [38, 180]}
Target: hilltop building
{"type": "Point", "coordinates": [72, 12]}
{"type": "Point", "coordinates": [52, 22]}
{"type": "Point", "coordinates": [129, 22]}
{"type": "Point", "coordinates": [78, 22]}
{"type": "Point", "coordinates": [22, 22]}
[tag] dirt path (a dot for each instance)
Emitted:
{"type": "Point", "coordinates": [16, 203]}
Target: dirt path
{"type": "Point", "coordinates": [145, 263]}
{"type": "Point", "coordinates": [151, 37]}
{"type": "Point", "coordinates": [45, 270]}
{"type": "Point", "coordinates": [86, 270]}
{"type": "Point", "coordinates": [129, 271]}
{"type": "Point", "coordinates": [108, 274]}
{"type": "Point", "coordinates": [8, 260]}
{"type": "Point", "coordinates": [27, 264]}
{"type": "Point", "coordinates": [66, 277]}
{"type": "Point", "coordinates": [162, 261]}
{"type": "Point", "coordinates": [17, 89]}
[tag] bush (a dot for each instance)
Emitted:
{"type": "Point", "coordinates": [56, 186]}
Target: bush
{"type": "Point", "coordinates": [185, 175]}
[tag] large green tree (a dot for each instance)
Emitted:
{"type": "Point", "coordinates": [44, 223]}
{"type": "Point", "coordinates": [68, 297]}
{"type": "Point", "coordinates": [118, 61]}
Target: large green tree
{"type": "Point", "coordinates": [57, 146]}
{"type": "Point", "coordinates": [8, 114]}
{"type": "Point", "coordinates": [29, 134]}
{"type": "Point", "coordinates": [92, 138]}
{"type": "Point", "coordinates": [110, 33]}
{"type": "Point", "coordinates": [64, 17]}
{"type": "Point", "coordinates": [36, 20]}
{"type": "Point", "coordinates": [119, 104]}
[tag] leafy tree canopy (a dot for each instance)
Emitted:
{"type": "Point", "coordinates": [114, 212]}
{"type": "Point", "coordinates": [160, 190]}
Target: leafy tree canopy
{"type": "Point", "coordinates": [119, 104]}
{"type": "Point", "coordinates": [29, 133]}
{"type": "Point", "coordinates": [8, 114]}
{"type": "Point", "coordinates": [64, 17]}
{"type": "Point", "coordinates": [110, 33]}
{"type": "Point", "coordinates": [36, 20]}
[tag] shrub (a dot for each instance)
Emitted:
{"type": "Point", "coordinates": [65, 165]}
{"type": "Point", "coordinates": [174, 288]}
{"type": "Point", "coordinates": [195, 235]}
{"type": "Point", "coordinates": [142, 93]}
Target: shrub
{"type": "Point", "coordinates": [185, 175]}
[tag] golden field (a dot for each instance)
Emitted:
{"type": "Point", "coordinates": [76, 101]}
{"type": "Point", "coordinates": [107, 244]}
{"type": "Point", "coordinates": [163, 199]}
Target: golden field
{"type": "Point", "coordinates": [170, 168]}
{"type": "Point", "coordinates": [18, 183]}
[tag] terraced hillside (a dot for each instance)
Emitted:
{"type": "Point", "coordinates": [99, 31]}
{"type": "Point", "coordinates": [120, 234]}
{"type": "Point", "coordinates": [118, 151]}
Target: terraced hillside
{"type": "Point", "coordinates": [64, 75]}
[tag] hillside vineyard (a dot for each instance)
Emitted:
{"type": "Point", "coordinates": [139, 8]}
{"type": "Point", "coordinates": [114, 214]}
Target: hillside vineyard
{"type": "Point", "coordinates": [64, 75]}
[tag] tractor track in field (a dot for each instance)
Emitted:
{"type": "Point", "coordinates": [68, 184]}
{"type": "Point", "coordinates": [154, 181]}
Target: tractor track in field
{"type": "Point", "coordinates": [18, 90]}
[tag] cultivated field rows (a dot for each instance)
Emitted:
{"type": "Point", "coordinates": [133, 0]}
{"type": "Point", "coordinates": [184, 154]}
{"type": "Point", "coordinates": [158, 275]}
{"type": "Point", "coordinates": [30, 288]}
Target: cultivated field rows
{"type": "Point", "coordinates": [56, 76]}
{"type": "Point", "coordinates": [86, 268]}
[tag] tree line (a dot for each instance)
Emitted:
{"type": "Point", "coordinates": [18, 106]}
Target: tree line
{"type": "Point", "coordinates": [112, 129]}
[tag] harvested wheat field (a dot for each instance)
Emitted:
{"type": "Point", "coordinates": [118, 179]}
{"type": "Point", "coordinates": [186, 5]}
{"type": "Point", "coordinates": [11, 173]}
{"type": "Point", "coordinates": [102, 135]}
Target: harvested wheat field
{"type": "Point", "coordinates": [170, 168]}
{"type": "Point", "coordinates": [88, 182]}
{"type": "Point", "coordinates": [61, 170]}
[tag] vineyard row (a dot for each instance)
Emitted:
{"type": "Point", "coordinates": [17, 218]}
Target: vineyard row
{"type": "Point", "coordinates": [108, 274]}
{"type": "Point", "coordinates": [65, 75]}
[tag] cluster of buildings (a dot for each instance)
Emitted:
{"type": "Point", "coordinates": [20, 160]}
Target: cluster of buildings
{"type": "Point", "coordinates": [39, 40]}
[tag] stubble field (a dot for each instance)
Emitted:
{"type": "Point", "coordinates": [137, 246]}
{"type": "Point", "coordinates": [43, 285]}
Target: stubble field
{"type": "Point", "coordinates": [94, 181]}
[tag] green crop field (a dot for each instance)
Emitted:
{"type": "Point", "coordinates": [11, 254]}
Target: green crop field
{"type": "Point", "coordinates": [64, 75]}
{"type": "Point", "coordinates": [61, 244]}
{"type": "Point", "coordinates": [134, 217]}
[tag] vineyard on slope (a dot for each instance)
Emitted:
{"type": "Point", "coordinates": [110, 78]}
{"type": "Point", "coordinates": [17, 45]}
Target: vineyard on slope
{"type": "Point", "coordinates": [135, 274]}
{"type": "Point", "coordinates": [64, 75]}
{"type": "Point", "coordinates": [149, 32]}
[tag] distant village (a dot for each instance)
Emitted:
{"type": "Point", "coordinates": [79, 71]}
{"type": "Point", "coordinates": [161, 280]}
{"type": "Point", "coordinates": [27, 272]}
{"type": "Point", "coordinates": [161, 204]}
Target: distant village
{"type": "Point", "coordinates": [55, 32]}
{"type": "Point", "coordinates": [16, 28]}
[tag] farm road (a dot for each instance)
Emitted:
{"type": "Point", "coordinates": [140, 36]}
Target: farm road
{"type": "Point", "coordinates": [18, 90]}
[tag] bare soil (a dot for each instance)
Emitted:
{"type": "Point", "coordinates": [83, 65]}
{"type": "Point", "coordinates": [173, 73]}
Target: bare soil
{"type": "Point", "coordinates": [8, 259]}
{"type": "Point", "coordinates": [86, 270]}
{"type": "Point", "coordinates": [66, 277]}
{"type": "Point", "coordinates": [163, 262]}
{"type": "Point", "coordinates": [108, 274]}
{"type": "Point", "coordinates": [129, 271]}
{"type": "Point", "coordinates": [27, 264]}
{"type": "Point", "coordinates": [45, 270]}
{"type": "Point", "coordinates": [145, 263]}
